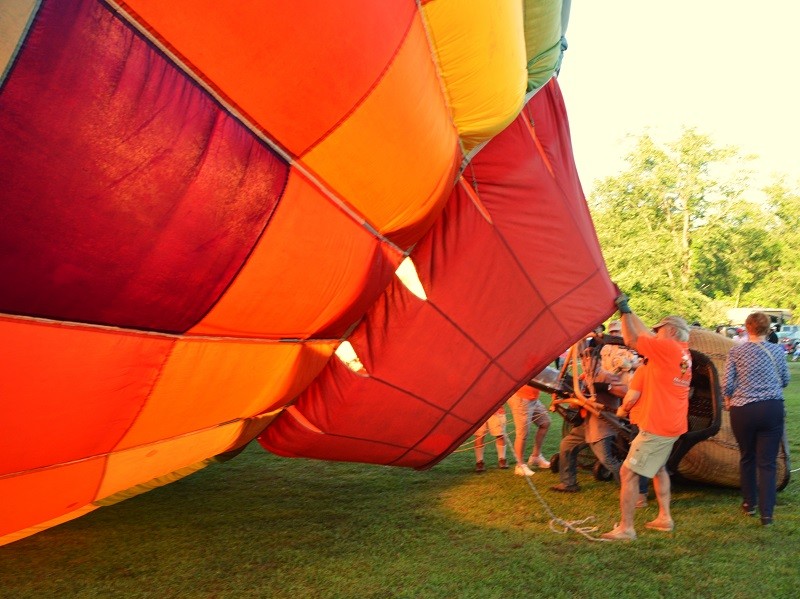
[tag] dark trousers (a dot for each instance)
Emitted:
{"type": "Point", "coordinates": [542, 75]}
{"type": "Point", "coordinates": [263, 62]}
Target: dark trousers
{"type": "Point", "coordinates": [758, 428]}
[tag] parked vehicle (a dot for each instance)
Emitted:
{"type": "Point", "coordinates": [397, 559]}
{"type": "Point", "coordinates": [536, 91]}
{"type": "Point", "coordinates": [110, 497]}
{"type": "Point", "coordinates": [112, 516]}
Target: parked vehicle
{"type": "Point", "coordinates": [776, 315]}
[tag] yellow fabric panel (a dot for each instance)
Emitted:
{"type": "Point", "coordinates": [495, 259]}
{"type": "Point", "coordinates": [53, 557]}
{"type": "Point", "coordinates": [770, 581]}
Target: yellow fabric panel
{"type": "Point", "coordinates": [14, 18]}
{"type": "Point", "coordinates": [543, 30]}
{"type": "Point", "coordinates": [159, 481]}
{"type": "Point", "coordinates": [311, 263]}
{"type": "Point", "coordinates": [372, 160]}
{"type": "Point", "coordinates": [226, 380]}
{"type": "Point", "coordinates": [131, 467]}
{"type": "Point", "coordinates": [480, 49]}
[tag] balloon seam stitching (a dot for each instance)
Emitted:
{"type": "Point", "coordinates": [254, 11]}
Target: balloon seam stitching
{"type": "Point", "coordinates": [442, 86]}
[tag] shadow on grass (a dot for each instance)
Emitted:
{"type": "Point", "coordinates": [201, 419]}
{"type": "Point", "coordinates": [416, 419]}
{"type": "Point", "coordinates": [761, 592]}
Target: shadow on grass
{"type": "Point", "coordinates": [263, 526]}
{"type": "Point", "coordinates": [257, 525]}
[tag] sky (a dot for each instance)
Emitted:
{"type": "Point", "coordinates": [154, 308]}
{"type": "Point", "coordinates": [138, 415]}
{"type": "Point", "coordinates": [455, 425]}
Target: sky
{"type": "Point", "coordinates": [728, 68]}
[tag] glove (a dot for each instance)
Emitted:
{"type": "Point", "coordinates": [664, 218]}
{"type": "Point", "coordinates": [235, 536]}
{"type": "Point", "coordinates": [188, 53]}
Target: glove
{"type": "Point", "coordinates": [622, 304]}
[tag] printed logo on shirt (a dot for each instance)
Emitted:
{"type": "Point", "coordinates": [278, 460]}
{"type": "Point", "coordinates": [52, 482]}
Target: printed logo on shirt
{"type": "Point", "coordinates": [686, 366]}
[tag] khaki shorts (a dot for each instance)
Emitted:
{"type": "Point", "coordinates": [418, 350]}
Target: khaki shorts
{"type": "Point", "coordinates": [648, 453]}
{"type": "Point", "coordinates": [539, 415]}
{"type": "Point", "coordinates": [525, 411]}
{"type": "Point", "coordinates": [496, 426]}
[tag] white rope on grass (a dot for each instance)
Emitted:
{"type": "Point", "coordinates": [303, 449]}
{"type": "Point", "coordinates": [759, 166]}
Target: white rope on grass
{"type": "Point", "coordinates": [557, 525]}
{"type": "Point", "coordinates": [469, 444]}
{"type": "Point", "coordinates": [561, 526]}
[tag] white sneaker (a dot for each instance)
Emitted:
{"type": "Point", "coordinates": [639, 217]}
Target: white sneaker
{"type": "Point", "coordinates": [523, 470]}
{"type": "Point", "coordinates": [538, 461]}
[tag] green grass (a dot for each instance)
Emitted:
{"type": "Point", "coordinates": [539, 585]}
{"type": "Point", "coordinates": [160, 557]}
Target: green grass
{"type": "Point", "coordinates": [263, 526]}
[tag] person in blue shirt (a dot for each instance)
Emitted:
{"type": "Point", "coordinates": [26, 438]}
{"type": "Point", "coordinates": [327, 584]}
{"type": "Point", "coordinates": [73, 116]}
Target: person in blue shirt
{"type": "Point", "coordinates": [755, 376]}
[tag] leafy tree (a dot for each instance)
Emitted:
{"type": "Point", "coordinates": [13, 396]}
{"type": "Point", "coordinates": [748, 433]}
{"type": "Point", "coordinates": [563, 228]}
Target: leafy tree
{"type": "Point", "coordinates": [735, 251]}
{"type": "Point", "coordinates": [676, 232]}
{"type": "Point", "coordinates": [780, 285]}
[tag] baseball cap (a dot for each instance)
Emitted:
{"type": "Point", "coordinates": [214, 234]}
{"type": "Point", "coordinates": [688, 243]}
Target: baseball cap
{"type": "Point", "coordinates": [614, 327]}
{"type": "Point", "coordinates": [676, 321]}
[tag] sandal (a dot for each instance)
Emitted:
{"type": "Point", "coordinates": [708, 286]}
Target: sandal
{"type": "Point", "coordinates": [617, 534]}
{"type": "Point", "coordinates": [660, 525]}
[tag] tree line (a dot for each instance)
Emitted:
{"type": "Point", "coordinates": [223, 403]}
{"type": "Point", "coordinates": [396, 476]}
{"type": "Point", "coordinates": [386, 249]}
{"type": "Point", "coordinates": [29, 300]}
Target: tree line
{"type": "Point", "coordinates": [683, 232]}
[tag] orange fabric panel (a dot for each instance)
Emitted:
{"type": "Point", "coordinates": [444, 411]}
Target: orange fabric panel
{"type": "Point", "coordinates": [42, 495]}
{"type": "Point", "coordinates": [373, 158]}
{"type": "Point", "coordinates": [32, 530]}
{"type": "Point", "coordinates": [273, 59]}
{"type": "Point", "coordinates": [226, 380]}
{"type": "Point", "coordinates": [307, 270]}
{"type": "Point", "coordinates": [141, 464]}
{"type": "Point", "coordinates": [70, 392]}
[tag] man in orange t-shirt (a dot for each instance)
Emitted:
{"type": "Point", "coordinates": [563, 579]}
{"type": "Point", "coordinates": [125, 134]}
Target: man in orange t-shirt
{"type": "Point", "coordinates": [661, 413]}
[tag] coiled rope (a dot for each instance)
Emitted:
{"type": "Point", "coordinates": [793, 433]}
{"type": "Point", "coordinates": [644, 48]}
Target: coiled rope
{"type": "Point", "coordinates": [561, 526]}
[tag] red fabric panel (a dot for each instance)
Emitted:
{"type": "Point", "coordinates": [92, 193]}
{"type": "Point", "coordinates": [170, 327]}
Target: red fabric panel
{"type": "Point", "coordinates": [389, 410]}
{"type": "Point", "coordinates": [394, 342]}
{"type": "Point", "coordinates": [438, 442]}
{"type": "Point", "coordinates": [471, 250]}
{"type": "Point", "coordinates": [548, 115]}
{"type": "Point", "coordinates": [504, 298]}
{"type": "Point", "coordinates": [306, 443]}
{"type": "Point", "coordinates": [153, 195]}
{"type": "Point", "coordinates": [552, 238]}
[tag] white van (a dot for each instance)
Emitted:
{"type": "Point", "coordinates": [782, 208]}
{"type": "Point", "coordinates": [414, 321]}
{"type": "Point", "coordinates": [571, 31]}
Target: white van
{"type": "Point", "coordinates": [789, 331]}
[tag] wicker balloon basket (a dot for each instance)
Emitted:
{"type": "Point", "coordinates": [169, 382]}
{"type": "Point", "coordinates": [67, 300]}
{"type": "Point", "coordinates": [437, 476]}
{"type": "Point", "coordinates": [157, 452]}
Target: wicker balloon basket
{"type": "Point", "coordinates": [715, 460]}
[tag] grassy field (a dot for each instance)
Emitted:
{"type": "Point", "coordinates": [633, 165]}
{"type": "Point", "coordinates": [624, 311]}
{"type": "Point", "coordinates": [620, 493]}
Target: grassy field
{"type": "Point", "coordinates": [262, 526]}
